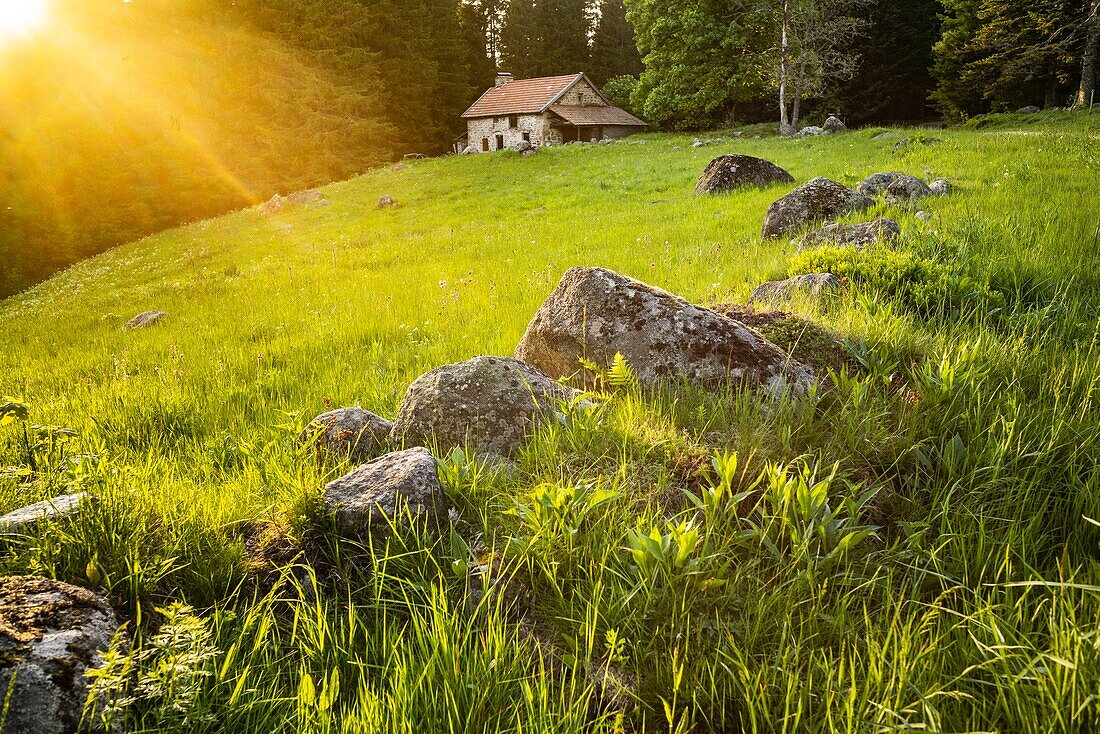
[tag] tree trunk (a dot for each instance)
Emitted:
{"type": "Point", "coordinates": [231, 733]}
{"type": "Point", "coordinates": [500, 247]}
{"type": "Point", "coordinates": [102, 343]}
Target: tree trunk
{"type": "Point", "coordinates": [1089, 58]}
{"type": "Point", "coordinates": [796, 92]}
{"type": "Point", "coordinates": [784, 128]}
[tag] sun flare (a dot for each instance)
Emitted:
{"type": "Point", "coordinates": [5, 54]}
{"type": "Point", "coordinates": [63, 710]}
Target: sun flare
{"type": "Point", "coordinates": [18, 17]}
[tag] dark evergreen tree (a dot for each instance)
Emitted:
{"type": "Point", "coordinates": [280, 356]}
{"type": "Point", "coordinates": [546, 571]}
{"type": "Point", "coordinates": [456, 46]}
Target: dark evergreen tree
{"type": "Point", "coordinates": [614, 50]}
{"type": "Point", "coordinates": [894, 77]}
{"type": "Point", "coordinates": [546, 37]}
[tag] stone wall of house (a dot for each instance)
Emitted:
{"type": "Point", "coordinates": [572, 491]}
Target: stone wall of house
{"type": "Point", "coordinates": [487, 128]}
{"type": "Point", "coordinates": [581, 93]}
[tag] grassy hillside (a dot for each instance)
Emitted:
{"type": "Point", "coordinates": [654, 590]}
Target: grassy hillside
{"type": "Point", "coordinates": [970, 410]}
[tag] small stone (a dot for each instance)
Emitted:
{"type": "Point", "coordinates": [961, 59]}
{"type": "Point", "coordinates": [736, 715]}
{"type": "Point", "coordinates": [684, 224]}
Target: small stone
{"type": "Point", "coordinates": [1029, 110]}
{"type": "Point", "coordinates": [380, 491]}
{"type": "Point", "coordinates": [272, 205]}
{"type": "Point", "coordinates": [811, 131]}
{"type": "Point", "coordinates": [351, 433]}
{"type": "Point", "coordinates": [306, 197]}
{"type": "Point", "coordinates": [834, 124]}
{"type": "Point", "coordinates": [887, 135]}
{"type": "Point", "coordinates": [27, 518]}
{"type": "Point", "coordinates": [940, 186]}
{"type": "Point", "coordinates": [815, 284]}
{"type": "Point", "coordinates": [385, 201]}
{"type": "Point", "coordinates": [923, 215]}
{"type": "Point", "coordinates": [143, 319]}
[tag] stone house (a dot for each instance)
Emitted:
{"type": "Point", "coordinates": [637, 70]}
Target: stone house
{"type": "Point", "coordinates": [550, 109]}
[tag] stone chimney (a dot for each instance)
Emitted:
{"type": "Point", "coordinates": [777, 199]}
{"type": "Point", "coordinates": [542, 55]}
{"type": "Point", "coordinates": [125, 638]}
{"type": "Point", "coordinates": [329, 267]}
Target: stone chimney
{"type": "Point", "coordinates": [503, 77]}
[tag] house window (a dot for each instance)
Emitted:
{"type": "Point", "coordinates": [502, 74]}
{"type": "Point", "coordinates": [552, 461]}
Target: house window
{"type": "Point", "coordinates": [500, 142]}
{"type": "Point", "coordinates": [485, 144]}
{"type": "Point", "coordinates": [526, 137]}
{"type": "Point", "coordinates": [513, 121]}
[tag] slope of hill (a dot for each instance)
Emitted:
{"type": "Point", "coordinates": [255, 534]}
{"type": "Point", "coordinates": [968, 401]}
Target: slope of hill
{"type": "Point", "coordinates": [969, 408]}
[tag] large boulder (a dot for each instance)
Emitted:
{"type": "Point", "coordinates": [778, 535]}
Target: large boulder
{"type": "Point", "coordinates": [834, 124]}
{"type": "Point", "coordinates": [143, 319]}
{"type": "Point", "coordinates": [50, 634]}
{"type": "Point", "coordinates": [351, 433]}
{"type": "Point", "coordinates": [487, 402]}
{"type": "Point", "coordinates": [596, 313]}
{"type": "Point", "coordinates": [852, 235]}
{"type": "Point", "coordinates": [819, 199]}
{"type": "Point", "coordinates": [380, 491]}
{"type": "Point", "coordinates": [729, 172]}
{"type": "Point", "coordinates": [27, 518]}
{"type": "Point", "coordinates": [907, 188]}
{"type": "Point", "coordinates": [814, 284]}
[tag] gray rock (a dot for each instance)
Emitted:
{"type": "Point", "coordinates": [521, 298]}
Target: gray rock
{"type": "Point", "coordinates": [1029, 110]}
{"type": "Point", "coordinates": [351, 433]}
{"type": "Point", "coordinates": [940, 186]}
{"type": "Point", "coordinates": [143, 319]}
{"type": "Point", "coordinates": [596, 313]}
{"type": "Point", "coordinates": [307, 197]}
{"type": "Point", "coordinates": [834, 124]}
{"type": "Point", "coordinates": [381, 490]}
{"type": "Point", "coordinates": [468, 150]}
{"type": "Point", "coordinates": [488, 402]}
{"type": "Point", "coordinates": [697, 143]}
{"type": "Point", "coordinates": [785, 131]}
{"type": "Point", "coordinates": [815, 284]}
{"type": "Point", "coordinates": [877, 183]}
{"type": "Point", "coordinates": [811, 130]}
{"type": "Point", "coordinates": [272, 205]}
{"type": "Point", "coordinates": [27, 518]}
{"type": "Point", "coordinates": [819, 199]}
{"type": "Point", "coordinates": [50, 634]}
{"type": "Point", "coordinates": [907, 188]}
{"type": "Point", "coordinates": [729, 172]}
{"type": "Point", "coordinates": [852, 235]}
{"type": "Point", "coordinates": [887, 135]}
{"type": "Point", "coordinates": [923, 215]}
{"type": "Point", "coordinates": [385, 201]}
{"type": "Point", "coordinates": [524, 147]}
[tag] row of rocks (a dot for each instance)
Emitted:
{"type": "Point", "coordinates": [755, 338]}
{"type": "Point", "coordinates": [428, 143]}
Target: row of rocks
{"type": "Point", "coordinates": [491, 403]}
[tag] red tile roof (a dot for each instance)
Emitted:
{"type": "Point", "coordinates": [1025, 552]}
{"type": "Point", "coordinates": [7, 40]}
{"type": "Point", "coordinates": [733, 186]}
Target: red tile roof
{"type": "Point", "coordinates": [595, 115]}
{"type": "Point", "coordinates": [522, 96]}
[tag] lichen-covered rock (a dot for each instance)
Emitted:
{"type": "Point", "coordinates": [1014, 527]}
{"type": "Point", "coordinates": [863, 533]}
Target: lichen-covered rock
{"type": "Point", "coordinates": [143, 319]}
{"type": "Point", "coordinates": [50, 634]}
{"type": "Point", "coordinates": [369, 497]}
{"type": "Point", "coordinates": [597, 313]}
{"type": "Point", "coordinates": [385, 202]}
{"type": "Point", "coordinates": [351, 433]}
{"type": "Point", "coordinates": [907, 188]}
{"type": "Point", "coordinates": [817, 200]}
{"type": "Point", "coordinates": [729, 172]}
{"type": "Point", "coordinates": [27, 518]}
{"type": "Point", "coordinates": [834, 124]}
{"type": "Point", "coordinates": [859, 235]}
{"type": "Point", "coordinates": [940, 186]}
{"type": "Point", "coordinates": [877, 183]}
{"type": "Point", "coordinates": [488, 402]}
{"type": "Point", "coordinates": [814, 284]}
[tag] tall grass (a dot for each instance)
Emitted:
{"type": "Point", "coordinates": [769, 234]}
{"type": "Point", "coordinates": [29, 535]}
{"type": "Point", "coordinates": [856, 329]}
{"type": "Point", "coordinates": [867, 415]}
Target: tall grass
{"type": "Point", "coordinates": [914, 548]}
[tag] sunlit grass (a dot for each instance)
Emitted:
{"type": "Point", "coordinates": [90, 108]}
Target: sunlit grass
{"type": "Point", "coordinates": [972, 606]}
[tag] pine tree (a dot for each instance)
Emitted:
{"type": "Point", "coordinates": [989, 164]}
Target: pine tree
{"type": "Point", "coordinates": [614, 50]}
{"type": "Point", "coordinates": [546, 37]}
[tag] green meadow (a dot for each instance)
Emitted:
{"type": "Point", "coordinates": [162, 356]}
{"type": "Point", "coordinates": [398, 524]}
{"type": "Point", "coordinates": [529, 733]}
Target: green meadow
{"type": "Point", "coordinates": [913, 546]}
